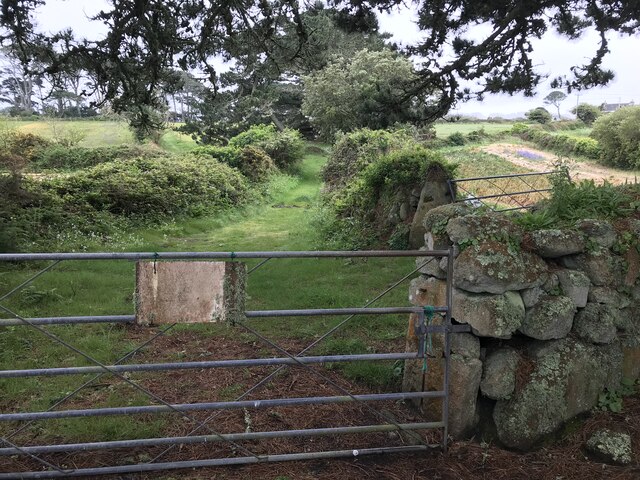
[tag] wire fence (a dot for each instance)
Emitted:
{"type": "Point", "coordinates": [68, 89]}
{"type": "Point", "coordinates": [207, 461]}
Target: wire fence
{"type": "Point", "coordinates": [503, 193]}
{"type": "Point", "coordinates": [205, 430]}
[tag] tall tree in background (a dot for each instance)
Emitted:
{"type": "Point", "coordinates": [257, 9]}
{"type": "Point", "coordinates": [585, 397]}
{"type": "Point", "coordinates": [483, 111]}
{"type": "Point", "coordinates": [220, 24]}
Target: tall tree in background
{"type": "Point", "coordinates": [555, 98]}
{"type": "Point", "coordinates": [17, 87]}
{"type": "Point", "coordinates": [261, 89]}
{"type": "Point", "coordinates": [148, 39]}
{"type": "Point", "coordinates": [366, 90]}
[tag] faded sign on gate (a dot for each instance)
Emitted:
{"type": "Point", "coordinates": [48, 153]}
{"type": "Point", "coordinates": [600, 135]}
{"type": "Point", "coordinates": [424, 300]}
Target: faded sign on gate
{"type": "Point", "coordinates": [189, 292]}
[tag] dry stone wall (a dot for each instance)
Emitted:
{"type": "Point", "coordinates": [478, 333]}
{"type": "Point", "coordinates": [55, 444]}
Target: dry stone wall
{"type": "Point", "coordinates": [553, 314]}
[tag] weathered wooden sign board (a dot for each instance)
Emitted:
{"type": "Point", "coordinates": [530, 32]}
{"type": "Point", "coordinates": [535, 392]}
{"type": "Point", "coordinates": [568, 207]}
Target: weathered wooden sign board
{"type": "Point", "coordinates": [189, 292]}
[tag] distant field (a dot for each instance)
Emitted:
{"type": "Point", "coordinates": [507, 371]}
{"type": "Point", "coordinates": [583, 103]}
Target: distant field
{"type": "Point", "coordinates": [97, 133]}
{"type": "Point", "coordinates": [446, 129]}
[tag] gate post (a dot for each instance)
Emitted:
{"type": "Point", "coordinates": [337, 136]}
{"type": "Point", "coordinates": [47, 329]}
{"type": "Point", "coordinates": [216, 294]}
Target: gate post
{"type": "Point", "coordinates": [452, 365]}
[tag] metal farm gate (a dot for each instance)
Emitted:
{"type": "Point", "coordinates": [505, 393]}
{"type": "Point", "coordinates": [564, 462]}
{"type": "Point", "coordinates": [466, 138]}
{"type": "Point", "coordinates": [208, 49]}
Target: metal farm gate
{"type": "Point", "coordinates": [504, 193]}
{"type": "Point", "coordinates": [48, 458]}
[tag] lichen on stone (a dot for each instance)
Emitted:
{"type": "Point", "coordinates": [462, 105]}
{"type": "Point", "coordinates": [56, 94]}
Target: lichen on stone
{"type": "Point", "coordinates": [611, 446]}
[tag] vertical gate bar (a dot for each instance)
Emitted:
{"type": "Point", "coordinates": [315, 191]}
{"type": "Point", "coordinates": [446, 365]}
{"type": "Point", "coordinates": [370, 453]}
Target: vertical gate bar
{"type": "Point", "coordinates": [447, 348]}
{"type": "Point", "coordinates": [451, 190]}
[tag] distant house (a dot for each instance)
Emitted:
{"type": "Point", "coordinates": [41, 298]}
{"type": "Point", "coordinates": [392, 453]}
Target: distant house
{"type": "Point", "coordinates": [612, 107]}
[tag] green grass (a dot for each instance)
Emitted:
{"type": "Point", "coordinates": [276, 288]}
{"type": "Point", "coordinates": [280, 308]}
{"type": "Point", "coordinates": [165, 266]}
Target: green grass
{"type": "Point", "coordinates": [473, 162]}
{"type": "Point", "coordinates": [446, 129]}
{"type": "Point", "coordinates": [102, 288]}
{"type": "Point", "coordinates": [97, 133]}
{"type": "Point", "coordinates": [176, 142]}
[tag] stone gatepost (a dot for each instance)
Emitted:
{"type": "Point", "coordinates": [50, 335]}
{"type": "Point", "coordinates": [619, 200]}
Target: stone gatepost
{"type": "Point", "coordinates": [189, 292]}
{"type": "Point", "coordinates": [465, 366]}
{"type": "Point", "coordinates": [435, 192]}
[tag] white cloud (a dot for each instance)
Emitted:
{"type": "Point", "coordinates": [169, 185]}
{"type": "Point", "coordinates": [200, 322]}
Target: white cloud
{"type": "Point", "coordinates": [553, 55]}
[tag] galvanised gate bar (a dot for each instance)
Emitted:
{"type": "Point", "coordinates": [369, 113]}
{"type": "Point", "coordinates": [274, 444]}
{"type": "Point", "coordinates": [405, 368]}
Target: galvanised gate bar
{"type": "Point", "coordinates": [518, 191]}
{"type": "Point", "coordinates": [204, 432]}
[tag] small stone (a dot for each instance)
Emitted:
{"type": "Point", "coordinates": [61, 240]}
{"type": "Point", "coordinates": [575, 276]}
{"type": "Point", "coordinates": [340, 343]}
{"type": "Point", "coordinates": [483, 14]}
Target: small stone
{"type": "Point", "coordinates": [609, 296]}
{"type": "Point", "coordinates": [596, 323]}
{"type": "Point", "coordinates": [556, 243]}
{"type": "Point", "coordinates": [490, 225]}
{"type": "Point", "coordinates": [403, 212]}
{"type": "Point", "coordinates": [627, 319]}
{"type": "Point", "coordinates": [428, 291]}
{"type": "Point", "coordinates": [436, 219]}
{"type": "Point", "coordinates": [499, 374]}
{"type": "Point", "coordinates": [600, 267]}
{"type": "Point", "coordinates": [599, 231]}
{"type": "Point", "coordinates": [567, 379]}
{"type": "Point", "coordinates": [430, 266]}
{"type": "Point", "coordinates": [550, 319]}
{"type": "Point", "coordinates": [493, 267]}
{"type": "Point", "coordinates": [497, 316]}
{"type": "Point", "coordinates": [465, 345]}
{"type": "Point", "coordinates": [610, 447]}
{"type": "Point", "coordinates": [575, 285]}
{"type": "Point", "coordinates": [552, 284]}
{"type": "Point", "coordinates": [531, 296]}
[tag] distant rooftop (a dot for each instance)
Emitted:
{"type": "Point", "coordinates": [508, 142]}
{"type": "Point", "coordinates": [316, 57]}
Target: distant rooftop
{"type": "Point", "coordinates": [612, 107]}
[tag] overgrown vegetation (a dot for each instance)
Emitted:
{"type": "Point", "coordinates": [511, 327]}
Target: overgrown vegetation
{"type": "Point", "coordinates": [285, 147]}
{"type": "Point", "coordinates": [570, 202]}
{"type": "Point", "coordinates": [618, 134]}
{"type": "Point", "coordinates": [367, 172]}
{"type": "Point", "coordinates": [539, 115]}
{"type": "Point", "coordinates": [586, 113]}
{"type": "Point", "coordinates": [100, 192]}
{"type": "Point", "coordinates": [559, 143]}
{"type": "Point", "coordinates": [354, 151]}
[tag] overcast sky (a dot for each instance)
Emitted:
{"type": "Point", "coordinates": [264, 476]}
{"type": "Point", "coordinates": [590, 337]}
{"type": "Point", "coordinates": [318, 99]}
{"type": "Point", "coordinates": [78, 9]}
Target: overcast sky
{"type": "Point", "coordinates": [552, 54]}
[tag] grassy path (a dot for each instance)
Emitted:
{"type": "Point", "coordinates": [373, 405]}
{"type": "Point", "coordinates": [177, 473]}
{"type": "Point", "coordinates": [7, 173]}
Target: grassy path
{"type": "Point", "coordinates": [106, 288]}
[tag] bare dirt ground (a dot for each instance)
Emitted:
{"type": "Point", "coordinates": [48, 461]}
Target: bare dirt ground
{"type": "Point", "coordinates": [470, 459]}
{"type": "Point", "coordinates": [540, 161]}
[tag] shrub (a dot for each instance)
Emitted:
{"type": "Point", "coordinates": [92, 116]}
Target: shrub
{"type": "Point", "coordinates": [285, 147]}
{"type": "Point", "coordinates": [587, 113]}
{"type": "Point", "coordinates": [228, 155]}
{"type": "Point", "coordinates": [519, 128]}
{"type": "Point", "coordinates": [255, 164]}
{"type": "Point", "coordinates": [618, 134]}
{"type": "Point", "coordinates": [152, 187]}
{"type": "Point", "coordinates": [478, 135]}
{"type": "Point", "coordinates": [456, 139]}
{"type": "Point", "coordinates": [559, 143]}
{"type": "Point", "coordinates": [539, 115]}
{"type": "Point", "coordinates": [72, 158]}
{"type": "Point", "coordinates": [587, 147]}
{"type": "Point", "coordinates": [361, 204]}
{"type": "Point", "coordinates": [252, 162]}
{"type": "Point", "coordinates": [354, 151]}
{"type": "Point", "coordinates": [17, 149]}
